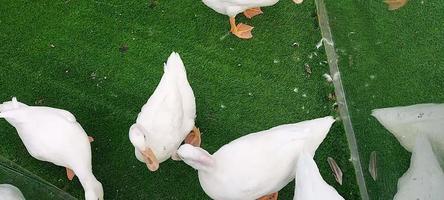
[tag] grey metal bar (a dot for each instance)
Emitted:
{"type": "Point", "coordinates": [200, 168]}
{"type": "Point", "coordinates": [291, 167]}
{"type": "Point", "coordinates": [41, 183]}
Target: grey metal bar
{"type": "Point", "coordinates": [332, 57]}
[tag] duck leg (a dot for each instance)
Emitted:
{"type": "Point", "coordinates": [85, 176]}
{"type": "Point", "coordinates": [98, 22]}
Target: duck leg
{"type": "Point", "coordinates": [70, 174]}
{"type": "Point", "coordinates": [193, 137]}
{"type": "Point", "coordinates": [273, 196]}
{"type": "Point", "coordinates": [91, 139]}
{"type": "Point", "coordinates": [250, 13]}
{"type": "Point", "coordinates": [242, 31]}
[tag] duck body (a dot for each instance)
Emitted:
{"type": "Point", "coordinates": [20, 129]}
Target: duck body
{"type": "Point", "coordinates": [32, 125]}
{"type": "Point", "coordinates": [53, 135]}
{"type": "Point", "coordinates": [406, 123]}
{"type": "Point", "coordinates": [309, 183]}
{"type": "Point", "coordinates": [257, 164]}
{"type": "Point", "coordinates": [168, 116]}
{"type": "Point", "coordinates": [10, 192]}
{"type": "Point", "coordinates": [234, 7]}
{"type": "Point", "coordinates": [425, 178]}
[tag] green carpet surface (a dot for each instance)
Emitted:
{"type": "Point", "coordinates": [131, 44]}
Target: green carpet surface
{"type": "Point", "coordinates": [101, 60]}
{"type": "Point", "coordinates": [387, 58]}
{"type": "Point", "coordinates": [30, 184]}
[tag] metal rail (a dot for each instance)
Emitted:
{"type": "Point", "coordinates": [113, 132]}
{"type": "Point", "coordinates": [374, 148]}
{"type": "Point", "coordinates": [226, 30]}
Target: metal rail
{"type": "Point", "coordinates": [22, 176]}
{"type": "Point", "coordinates": [332, 58]}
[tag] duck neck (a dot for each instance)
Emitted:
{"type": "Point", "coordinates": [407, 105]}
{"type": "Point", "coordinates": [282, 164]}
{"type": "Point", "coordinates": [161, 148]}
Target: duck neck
{"type": "Point", "coordinates": [205, 169]}
{"type": "Point", "coordinates": [89, 183]}
{"type": "Point", "coordinates": [208, 167]}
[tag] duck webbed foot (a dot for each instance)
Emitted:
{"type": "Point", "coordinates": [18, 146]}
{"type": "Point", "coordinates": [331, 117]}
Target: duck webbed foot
{"type": "Point", "coordinates": [194, 137]}
{"type": "Point", "coordinates": [273, 196]}
{"type": "Point", "coordinates": [242, 31]}
{"type": "Point", "coordinates": [70, 174]}
{"type": "Point", "coordinates": [250, 13]}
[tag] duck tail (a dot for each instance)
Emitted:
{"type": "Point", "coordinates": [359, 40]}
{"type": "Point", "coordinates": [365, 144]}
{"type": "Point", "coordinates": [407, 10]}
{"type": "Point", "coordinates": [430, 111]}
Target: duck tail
{"type": "Point", "coordinates": [321, 128]}
{"type": "Point", "coordinates": [175, 67]}
{"type": "Point", "coordinates": [10, 105]}
{"type": "Point", "coordinates": [15, 103]}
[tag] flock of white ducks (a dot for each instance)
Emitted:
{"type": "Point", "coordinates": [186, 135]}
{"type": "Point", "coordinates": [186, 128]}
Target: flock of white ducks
{"type": "Point", "coordinates": [255, 166]}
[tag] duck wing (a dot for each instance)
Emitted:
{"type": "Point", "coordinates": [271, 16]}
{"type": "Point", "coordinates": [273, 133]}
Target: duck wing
{"type": "Point", "coordinates": [266, 159]}
{"type": "Point", "coordinates": [309, 183]}
{"type": "Point", "coordinates": [310, 132]}
{"type": "Point", "coordinates": [171, 101]}
{"type": "Point", "coordinates": [176, 67]}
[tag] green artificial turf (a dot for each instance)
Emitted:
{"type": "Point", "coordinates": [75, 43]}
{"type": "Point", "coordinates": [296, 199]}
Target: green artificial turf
{"type": "Point", "coordinates": [387, 58]}
{"type": "Point", "coordinates": [30, 184]}
{"type": "Point", "coordinates": [101, 60]}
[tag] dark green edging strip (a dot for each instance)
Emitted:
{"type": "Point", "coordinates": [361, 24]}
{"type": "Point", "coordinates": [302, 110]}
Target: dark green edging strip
{"type": "Point", "coordinates": [332, 57]}
{"type": "Point", "coordinates": [12, 168]}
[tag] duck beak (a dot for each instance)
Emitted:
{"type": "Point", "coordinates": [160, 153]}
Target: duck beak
{"type": "Point", "coordinates": [297, 1]}
{"type": "Point", "coordinates": [150, 159]}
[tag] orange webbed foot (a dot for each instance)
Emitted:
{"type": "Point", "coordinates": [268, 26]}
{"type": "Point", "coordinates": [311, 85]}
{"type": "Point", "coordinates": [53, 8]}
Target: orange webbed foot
{"type": "Point", "coordinates": [250, 13]}
{"type": "Point", "coordinates": [243, 31]}
{"type": "Point", "coordinates": [273, 196]}
{"type": "Point", "coordinates": [194, 137]}
{"type": "Point", "coordinates": [70, 174]}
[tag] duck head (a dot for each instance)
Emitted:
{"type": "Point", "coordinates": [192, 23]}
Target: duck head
{"type": "Point", "coordinates": [137, 136]}
{"type": "Point", "coordinates": [93, 190]}
{"type": "Point", "coordinates": [196, 157]}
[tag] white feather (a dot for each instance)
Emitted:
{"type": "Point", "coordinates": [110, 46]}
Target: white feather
{"type": "Point", "coordinates": [309, 183]}
{"type": "Point", "coordinates": [53, 135]}
{"type": "Point", "coordinates": [10, 192]}
{"type": "Point", "coordinates": [424, 179]}
{"type": "Point", "coordinates": [169, 114]}
{"type": "Point", "coordinates": [234, 7]}
{"type": "Point", "coordinates": [406, 123]}
{"type": "Point", "coordinates": [256, 164]}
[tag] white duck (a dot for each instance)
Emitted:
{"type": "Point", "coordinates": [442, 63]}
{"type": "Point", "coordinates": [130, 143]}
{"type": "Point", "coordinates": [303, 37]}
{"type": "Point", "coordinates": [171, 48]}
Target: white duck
{"type": "Point", "coordinates": [257, 165]}
{"type": "Point", "coordinates": [407, 122]}
{"type": "Point", "coordinates": [10, 192]}
{"type": "Point", "coordinates": [424, 179]}
{"type": "Point", "coordinates": [53, 135]}
{"type": "Point", "coordinates": [167, 118]}
{"type": "Point", "coordinates": [231, 8]}
{"type": "Point", "coordinates": [309, 183]}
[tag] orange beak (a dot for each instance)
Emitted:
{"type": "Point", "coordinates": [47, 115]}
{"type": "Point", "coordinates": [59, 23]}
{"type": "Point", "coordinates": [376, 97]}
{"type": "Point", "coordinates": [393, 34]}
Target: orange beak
{"type": "Point", "coordinates": [150, 159]}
